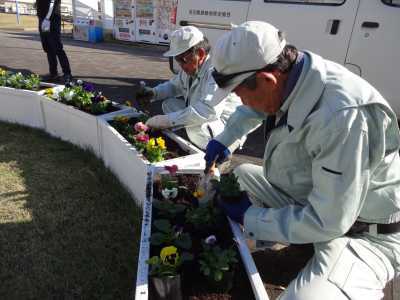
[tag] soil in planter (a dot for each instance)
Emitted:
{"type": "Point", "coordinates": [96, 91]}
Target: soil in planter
{"type": "Point", "coordinates": [194, 285]}
{"type": "Point", "coordinates": [174, 150]}
{"type": "Point", "coordinates": [278, 268]}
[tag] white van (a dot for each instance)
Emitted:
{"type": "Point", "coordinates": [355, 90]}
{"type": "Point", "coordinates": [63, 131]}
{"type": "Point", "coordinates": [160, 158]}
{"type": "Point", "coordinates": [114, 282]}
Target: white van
{"type": "Point", "coordinates": [363, 35]}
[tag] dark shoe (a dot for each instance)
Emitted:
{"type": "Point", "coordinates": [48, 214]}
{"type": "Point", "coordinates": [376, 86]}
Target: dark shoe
{"type": "Point", "coordinates": [50, 78]}
{"type": "Point", "coordinates": [67, 79]}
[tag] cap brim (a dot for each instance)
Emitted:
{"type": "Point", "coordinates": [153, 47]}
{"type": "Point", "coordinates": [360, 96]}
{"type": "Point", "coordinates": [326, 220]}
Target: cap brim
{"type": "Point", "coordinates": [173, 53]}
{"type": "Point", "coordinates": [221, 93]}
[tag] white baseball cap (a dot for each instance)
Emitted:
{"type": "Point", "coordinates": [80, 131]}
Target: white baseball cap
{"type": "Point", "coordinates": [183, 39]}
{"type": "Point", "coordinates": [244, 50]}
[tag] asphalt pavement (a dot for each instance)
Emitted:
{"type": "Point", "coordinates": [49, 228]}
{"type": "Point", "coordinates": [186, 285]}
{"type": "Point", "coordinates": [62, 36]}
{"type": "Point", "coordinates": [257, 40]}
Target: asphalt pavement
{"type": "Point", "coordinates": [114, 68]}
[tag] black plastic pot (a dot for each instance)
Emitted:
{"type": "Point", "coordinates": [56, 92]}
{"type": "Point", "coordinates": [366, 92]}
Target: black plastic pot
{"type": "Point", "coordinates": [223, 286]}
{"type": "Point", "coordinates": [166, 288]}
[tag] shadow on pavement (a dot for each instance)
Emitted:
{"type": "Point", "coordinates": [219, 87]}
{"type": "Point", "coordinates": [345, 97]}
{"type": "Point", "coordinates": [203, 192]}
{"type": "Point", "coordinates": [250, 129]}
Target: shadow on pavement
{"type": "Point", "coordinates": [152, 52]}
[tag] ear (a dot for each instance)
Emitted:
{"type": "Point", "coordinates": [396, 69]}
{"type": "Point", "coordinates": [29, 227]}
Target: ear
{"type": "Point", "coordinates": [201, 53]}
{"type": "Point", "coordinates": [269, 76]}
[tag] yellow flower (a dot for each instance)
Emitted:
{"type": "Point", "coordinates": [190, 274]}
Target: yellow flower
{"type": "Point", "coordinates": [122, 119]}
{"type": "Point", "coordinates": [152, 143]}
{"type": "Point", "coordinates": [2, 72]}
{"type": "Point", "coordinates": [128, 103]}
{"type": "Point", "coordinates": [49, 92]}
{"type": "Point", "coordinates": [169, 255]}
{"type": "Point", "coordinates": [198, 193]}
{"type": "Point", "coordinates": [161, 142]}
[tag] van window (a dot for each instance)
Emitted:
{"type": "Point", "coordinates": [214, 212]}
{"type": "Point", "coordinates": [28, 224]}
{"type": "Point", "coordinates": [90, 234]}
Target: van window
{"type": "Point", "coordinates": [324, 2]}
{"type": "Point", "coordinates": [392, 2]}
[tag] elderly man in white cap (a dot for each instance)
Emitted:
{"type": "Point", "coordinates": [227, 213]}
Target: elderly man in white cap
{"type": "Point", "coordinates": [331, 173]}
{"type": "Point", "coordinates": [198, 110]}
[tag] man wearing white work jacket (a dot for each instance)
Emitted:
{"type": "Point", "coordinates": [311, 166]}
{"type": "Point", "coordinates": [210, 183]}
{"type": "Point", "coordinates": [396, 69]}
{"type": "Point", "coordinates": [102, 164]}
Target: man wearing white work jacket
{"type": "Point", "coordinates": [331, 172]}
{"type": "Point", "coordinates": [188, 98]}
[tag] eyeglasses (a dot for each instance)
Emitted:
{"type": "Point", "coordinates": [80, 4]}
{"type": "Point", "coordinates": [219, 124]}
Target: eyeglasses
{"type": "Point", "coordinates": [185, 57]}
{"type": "Point", "coordinates": [223, 80]}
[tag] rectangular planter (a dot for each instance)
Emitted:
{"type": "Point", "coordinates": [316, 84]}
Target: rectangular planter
{"type": "Point", "coordinates": [142, 284]}
{"type": "Point", "coordinates": [130, 166]}
{"type": "Point", "coordinates": [73, 125]}
{"type": "Point", "coordinates": [21, 106]}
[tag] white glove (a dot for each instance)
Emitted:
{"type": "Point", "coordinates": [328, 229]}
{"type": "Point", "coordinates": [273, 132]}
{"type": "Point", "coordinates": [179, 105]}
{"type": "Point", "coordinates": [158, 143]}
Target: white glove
{"type": "Point", "coordinates": [159, 122]}
{"type": "Point", "coordinates": [45, 25]}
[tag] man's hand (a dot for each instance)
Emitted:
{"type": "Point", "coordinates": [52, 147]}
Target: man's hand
{"type": "Point", "coordinates": [159, 122]}
{"type": "Point", "coordinates": [216, 153]}
{"type": "Point", "coordinates": [45, 25]}
{"type": "Point", "coordinates": [236, 211]}
{"type": "Point", "coordinates": [145, 94]}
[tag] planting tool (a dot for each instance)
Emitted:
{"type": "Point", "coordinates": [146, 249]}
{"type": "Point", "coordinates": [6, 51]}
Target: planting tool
{"type": "Point", "coordinates": [204, 185]}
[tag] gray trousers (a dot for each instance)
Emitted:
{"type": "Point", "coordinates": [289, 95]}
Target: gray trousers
{"type": "Point", "coordinates": [343, 268]}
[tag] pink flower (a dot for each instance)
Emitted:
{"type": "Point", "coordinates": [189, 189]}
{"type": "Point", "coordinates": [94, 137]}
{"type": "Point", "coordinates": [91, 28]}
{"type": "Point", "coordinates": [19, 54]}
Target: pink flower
{"type": "Point", "coordinates": [142, 137]}
{"type": "Point", "coordinates": [171, 169]}
{"type": "Point", "coordinates": [140, 126]}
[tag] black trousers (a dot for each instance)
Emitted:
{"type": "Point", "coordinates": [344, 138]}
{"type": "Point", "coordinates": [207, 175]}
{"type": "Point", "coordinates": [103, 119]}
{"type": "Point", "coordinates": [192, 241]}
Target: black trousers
{"type": "Point", "coordinates": [51, 43]}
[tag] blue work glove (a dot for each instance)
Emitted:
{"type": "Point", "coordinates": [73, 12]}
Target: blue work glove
{"type": "Point", "coordinates": [236, 211]}
{"type": "Point", "coordinates": [216, 152]}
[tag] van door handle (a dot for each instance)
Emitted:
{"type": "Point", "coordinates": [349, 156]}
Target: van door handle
{"type": "Point", "coordinates": [370, 24]}
{"type": "Point", "coordinates": [334, 27]}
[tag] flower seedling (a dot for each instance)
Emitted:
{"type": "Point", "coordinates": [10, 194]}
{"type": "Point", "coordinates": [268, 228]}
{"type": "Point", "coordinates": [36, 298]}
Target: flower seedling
{"type": "Point", "coordinates": [170, 235]}
{"type": "Point", "coordinates": [168, 263]}
{"type": "Point", "coordinates": [82, 96]}
{"type": "Point", "coordinates": [228, 187]}
{"type": "Point", "coordinates": [156, 149]}
{"type": "Point", "coordinates": [19, 81]}
{"type": "Point", "coordinates": [215, 262]}
{"type": "Point", "coordinates": [202, 215]}
{"type": "Point", "coordinates": [168, 209]}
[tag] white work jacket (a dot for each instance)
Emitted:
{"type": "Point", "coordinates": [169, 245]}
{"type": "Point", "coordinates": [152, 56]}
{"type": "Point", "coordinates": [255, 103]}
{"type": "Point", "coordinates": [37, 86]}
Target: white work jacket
{"type": "Point", "coordinates": [336, 158]}
{"type": "Point", "coordinates": [203, 113]}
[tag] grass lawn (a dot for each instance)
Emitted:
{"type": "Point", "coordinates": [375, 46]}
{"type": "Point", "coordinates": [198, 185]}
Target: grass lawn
{"type": "Point", "coordinates": [10, 21]}
{"type": "Point", "coordinates": [68, 230]}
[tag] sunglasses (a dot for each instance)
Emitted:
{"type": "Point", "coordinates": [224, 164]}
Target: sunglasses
{"type": "Point", "coordinates": [185, 57]}
{"type": "Point", "coordinates": [223, 80]}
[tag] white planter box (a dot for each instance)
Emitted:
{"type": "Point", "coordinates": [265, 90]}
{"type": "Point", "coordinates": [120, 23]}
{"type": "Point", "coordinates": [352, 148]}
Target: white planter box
{"type": "Point", "coordinates": [130, 166]}
{"type": "Point", "coordinates": [142, 286]}
{"type": "Point", "coordinates": [73, 125]}
{"type": "Point", "coordinates": [21, 106]}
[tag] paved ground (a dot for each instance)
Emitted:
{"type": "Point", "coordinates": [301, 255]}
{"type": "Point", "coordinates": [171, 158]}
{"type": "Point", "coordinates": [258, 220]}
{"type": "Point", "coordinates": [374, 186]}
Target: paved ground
{"type": "Point", "coordinates": [113, 68]}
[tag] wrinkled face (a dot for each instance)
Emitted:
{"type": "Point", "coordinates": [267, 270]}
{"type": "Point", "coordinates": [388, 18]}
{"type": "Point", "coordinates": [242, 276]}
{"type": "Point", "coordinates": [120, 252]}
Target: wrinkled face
{"type": "Point", "coordinates": [261, 96]}
{"type": "Point", "coordinates": [189, 61]}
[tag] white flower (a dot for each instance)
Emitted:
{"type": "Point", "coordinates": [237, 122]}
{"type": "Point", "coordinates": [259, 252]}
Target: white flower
{"type": "Point", "coordinates": [211, 240]}
{"type": "Point", "coordinates": [69, 95]}
{"type": "Point", "coordinates": [169, 193]}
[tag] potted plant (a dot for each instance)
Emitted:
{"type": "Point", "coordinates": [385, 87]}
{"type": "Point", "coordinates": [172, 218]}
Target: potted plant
{"type": "Point", "coordinates": [164, 273]}
{"type": "Point", "coordinates": [168, 209]}
{"type": "Point", "coordinates": [228, 188]}
{"type": "Point", "coordinates": [166, 234]}
{"type": "Point", "coordinates": [217, 265]}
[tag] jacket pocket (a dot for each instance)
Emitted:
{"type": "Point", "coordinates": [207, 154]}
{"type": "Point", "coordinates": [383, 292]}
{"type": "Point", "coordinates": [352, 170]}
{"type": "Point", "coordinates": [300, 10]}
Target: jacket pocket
{"type": "Point", "coordinates": [357, 279]}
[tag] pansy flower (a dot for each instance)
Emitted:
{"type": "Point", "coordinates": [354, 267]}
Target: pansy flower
{"type": "Point", "coordinates": [140, 126]}
{"type": "Point", "coordinates": [88, 87]}
{"type": "Point", "coordinates": [171, 169]}
{"type": "Point", "coordinates": [169, 255]}
{"type": "Point", "coordinates": [161, 143]}
{"type": "Point", "coordinates": [142, 137]}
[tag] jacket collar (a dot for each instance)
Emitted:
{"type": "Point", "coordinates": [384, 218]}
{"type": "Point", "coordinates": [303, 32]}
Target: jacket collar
{"type": "Point", "coordinates": [307, 90]}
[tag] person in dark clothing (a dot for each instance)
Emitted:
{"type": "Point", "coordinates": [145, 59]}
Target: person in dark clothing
{"type": "Point", "coordinates": [49, 14]}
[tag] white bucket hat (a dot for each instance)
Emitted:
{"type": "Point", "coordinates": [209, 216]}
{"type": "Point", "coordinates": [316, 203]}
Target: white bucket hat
{"type": "Point", "coordinates": [245, 49]}
{"type": "Point", "coordinates": [183, 39]}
